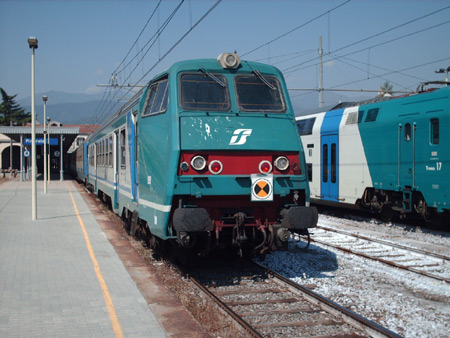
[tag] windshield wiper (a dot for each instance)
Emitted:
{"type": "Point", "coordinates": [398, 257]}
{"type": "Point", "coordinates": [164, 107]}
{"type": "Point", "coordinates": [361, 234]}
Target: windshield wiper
{"type": "Point", "coordinates": [263, 79]}
{"type": "Point", "coordinates": [215, 78]}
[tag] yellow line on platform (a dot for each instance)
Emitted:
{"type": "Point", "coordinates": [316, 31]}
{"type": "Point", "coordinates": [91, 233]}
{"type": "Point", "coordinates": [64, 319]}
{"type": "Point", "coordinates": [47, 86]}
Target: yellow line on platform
{"type": "Point", "coordinates": [109, 304]}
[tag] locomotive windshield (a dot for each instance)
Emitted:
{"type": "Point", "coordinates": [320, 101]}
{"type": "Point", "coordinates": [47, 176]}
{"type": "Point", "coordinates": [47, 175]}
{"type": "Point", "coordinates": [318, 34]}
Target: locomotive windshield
{"type": "Point", "coordinates": [204, 91]}
{"type": "Point", "coordinates": [258, 93]}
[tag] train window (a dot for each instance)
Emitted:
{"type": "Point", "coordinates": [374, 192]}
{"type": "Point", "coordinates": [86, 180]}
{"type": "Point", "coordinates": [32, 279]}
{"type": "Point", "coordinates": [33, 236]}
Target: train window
{"type": "Point", "coordinates": [110, 151]}
{"type": "Point", "coordinates": [372, 115]}
{"type": "Point", "coordinates": [333, 163]}
{"type": "Point", "coordinates": [325, 163]}
{"type": "Point", "coordinates": [351, 118]}
{"type": "Point", "coordinates": [306, 126]}
{"type": "Point", "coordinates": [360, 116]}
{"type": "Point", "coordinates": [103, 152]}
{"type": "Point", "coordinates": [407, 132]}
{"type": "Point", "coordinates": [107, 152]}
{"type": "Point", "coordinates": [434, 129]}
{"type": "Point", "coordinates": [123, 164]}
{"type": "Point", "coordinates": [97, 153]}
{"type": "Point", "coordinates": [204, 92]}
{"type": "Point", "coordinates": [310, 172]}
{"type": "Point", "coordinates": [258, 93]}
{"type": "Point", "coordinates": [157, 98]}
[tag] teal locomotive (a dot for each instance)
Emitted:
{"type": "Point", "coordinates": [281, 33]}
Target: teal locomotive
{"type": "Point", "coordinates": [207, 156]}
{"type": "Point", "coordinates": [390, 156]}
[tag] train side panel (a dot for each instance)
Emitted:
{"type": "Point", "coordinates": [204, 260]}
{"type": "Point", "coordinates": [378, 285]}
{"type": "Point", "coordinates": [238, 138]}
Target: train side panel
{"type": "Point", "coordinates": [354, 174]}
{"type": "Point", "coordinates": [407, 149]}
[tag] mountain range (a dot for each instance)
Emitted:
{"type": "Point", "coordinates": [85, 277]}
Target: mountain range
{"type": "Point", "coordinates": [70, 108]}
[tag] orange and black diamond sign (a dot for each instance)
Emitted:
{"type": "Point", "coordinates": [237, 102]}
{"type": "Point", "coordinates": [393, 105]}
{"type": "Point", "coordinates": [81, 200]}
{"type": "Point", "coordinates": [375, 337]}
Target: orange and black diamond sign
{"type": "Point", "coordinates": [262, 188]}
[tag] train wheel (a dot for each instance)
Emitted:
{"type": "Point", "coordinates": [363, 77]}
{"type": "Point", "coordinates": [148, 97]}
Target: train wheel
{"type": "Point", "coordinates": [387, 214]}
{"type": "Point", "coordinates": [437, 221]}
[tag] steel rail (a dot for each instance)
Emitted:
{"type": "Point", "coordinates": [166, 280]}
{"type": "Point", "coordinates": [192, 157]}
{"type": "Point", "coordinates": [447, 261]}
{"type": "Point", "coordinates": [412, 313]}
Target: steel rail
{"type": "Point", "coordinates": [225, 307]}
{"type": "Point", "coordinates": [358, 322]}
{"type": "Point", "coordinates": [377, 259]}
{"type": "Point", "coordinates": [395, 245]}
{"type": "Point", "coordinates": [353, 318]}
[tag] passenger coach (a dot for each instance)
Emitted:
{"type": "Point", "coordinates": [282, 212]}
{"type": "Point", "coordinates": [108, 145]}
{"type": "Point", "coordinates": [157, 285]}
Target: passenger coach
{"type": "Point", "coordinates": [207, 155]}
{"type": "Point", "coordinates": [391, 156]}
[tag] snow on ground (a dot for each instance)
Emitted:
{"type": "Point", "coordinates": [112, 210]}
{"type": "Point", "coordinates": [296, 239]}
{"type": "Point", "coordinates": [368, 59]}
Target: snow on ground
{"type": "Point", "coordinates": [404, 302]}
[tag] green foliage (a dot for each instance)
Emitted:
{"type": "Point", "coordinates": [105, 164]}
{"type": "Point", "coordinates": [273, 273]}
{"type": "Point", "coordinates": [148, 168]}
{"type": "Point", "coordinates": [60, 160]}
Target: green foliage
{"type": "Point", "coordinates": [11, 111]}
{"type": "Point", "coordinates": [386, 89]}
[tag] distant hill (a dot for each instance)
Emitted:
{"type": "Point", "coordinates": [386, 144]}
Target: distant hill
{"type": "Point", "coordinates": [66, 108]}
{"type": "Point", "coordinates": [69, 108]}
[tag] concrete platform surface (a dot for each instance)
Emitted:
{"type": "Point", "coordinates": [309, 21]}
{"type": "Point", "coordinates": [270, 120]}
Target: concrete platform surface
{"type": "Point", "coordinates": [60, 276]}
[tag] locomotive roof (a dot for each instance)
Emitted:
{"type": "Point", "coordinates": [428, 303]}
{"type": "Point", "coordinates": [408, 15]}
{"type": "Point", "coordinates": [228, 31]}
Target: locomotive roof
{"type": "Point", "coordinates": [190, 65]}
{"type": "Point", "coordinates": [213, 64]}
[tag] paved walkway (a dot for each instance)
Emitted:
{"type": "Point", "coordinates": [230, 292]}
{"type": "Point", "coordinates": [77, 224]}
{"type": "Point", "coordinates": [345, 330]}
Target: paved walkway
{"type": "Point", "coordinates": [59, 275]}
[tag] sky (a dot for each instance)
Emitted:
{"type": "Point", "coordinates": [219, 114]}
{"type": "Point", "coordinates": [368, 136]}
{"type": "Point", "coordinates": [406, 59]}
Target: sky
{"type": "Point", "coordinates": [82, 43]}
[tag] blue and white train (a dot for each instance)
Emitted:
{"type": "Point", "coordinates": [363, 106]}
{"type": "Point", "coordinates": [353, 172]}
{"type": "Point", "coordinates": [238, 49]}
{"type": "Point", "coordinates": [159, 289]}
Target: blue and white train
{"type": "Point", "coordinates": [390, 156]}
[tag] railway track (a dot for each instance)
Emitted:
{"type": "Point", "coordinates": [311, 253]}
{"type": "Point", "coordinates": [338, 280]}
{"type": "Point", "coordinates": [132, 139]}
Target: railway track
{"type": "Point", "coordinates": [269, 305]}
{"type": "Point", "coordinates": [422, 262]}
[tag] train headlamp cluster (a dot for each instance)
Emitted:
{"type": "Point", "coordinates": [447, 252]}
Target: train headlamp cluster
{"type": "Point", "coordinates": [215, 167]}
{"type": "Point", "coordinates": [281, 163]}
{"type": "Point", "coordinates": [200, 164]}
{"type": "Point", "coordinates": [265, 167]}
{"type": "Point", "coordinates": [229, 60]}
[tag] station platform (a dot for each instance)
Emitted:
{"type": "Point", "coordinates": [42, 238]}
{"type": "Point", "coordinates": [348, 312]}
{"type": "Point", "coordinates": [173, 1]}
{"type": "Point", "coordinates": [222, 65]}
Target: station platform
{"type": "Point", "coordinates": [68, 274]}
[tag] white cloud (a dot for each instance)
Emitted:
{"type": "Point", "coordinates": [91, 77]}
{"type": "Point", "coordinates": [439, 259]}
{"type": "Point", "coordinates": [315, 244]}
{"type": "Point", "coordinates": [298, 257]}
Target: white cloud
{"type": "Point", "coordinates": [93, 90]}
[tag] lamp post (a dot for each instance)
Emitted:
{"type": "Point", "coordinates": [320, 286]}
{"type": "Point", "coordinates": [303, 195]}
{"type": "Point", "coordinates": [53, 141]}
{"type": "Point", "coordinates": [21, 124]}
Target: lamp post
{"type": "Point", "coordinates": [48, 159]}
{"type": "Point", "coordinates": [443, 70]}
{"type": "Point", "coordinates": [33, 43]}
{"type": "Point", "coordinates": [45, 98]}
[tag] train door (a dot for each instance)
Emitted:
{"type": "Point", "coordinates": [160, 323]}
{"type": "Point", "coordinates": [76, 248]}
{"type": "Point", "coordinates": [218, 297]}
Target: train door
{"type": "Point", "coordinates": [85, 160]}
{"type": "Point", "coordinates": [116, 169]}
{"type": "Point", "coordinates": [407, 160]}
{"type": "Point", "coordinates": [407, 145]}
{"type": "Point", "coordinates": [329, 167]}
{"type": "Point", "coordinates": [131, 133]}
{"type": "Point", "coordinates": [136, 162]}
{"type": "Point", "coordinates": [95, 165]}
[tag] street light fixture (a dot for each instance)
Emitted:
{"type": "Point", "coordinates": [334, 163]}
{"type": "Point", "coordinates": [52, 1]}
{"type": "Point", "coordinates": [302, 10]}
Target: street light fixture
{"type": "Point", "coordinates": [45, 98]}
{"type": "Point", "coordinates": [33, 43]}
{"type": "Point", "coordinates": [48, 155]}
{"type": "Point", "coordinates": [443, 70]}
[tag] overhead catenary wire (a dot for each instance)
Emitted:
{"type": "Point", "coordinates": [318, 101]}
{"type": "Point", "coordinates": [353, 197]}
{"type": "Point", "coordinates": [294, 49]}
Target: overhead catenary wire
{"type": "Point", "coordinates": [165, 54]}
{"type": "Point", "coordinates": [138, 37]}
{"type": "Point", "coordinates": [107, 91]}
{"type": "Point", "coordinates": [298, 67]}
{"type": "Point", "coordinates": [295, 68]}
{"type": "Point", "coordinates": [296, 28]}
{"type": "Point", "coordinates": [105, 108]}
{"type": "Point", "coordinates": [380, 76]}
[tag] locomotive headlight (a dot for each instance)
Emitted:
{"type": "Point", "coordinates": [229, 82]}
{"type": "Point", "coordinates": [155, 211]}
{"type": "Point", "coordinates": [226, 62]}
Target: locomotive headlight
{"type": "Point", "coordinates": [229, 60]}
{"type": "Point", "coordinates": [215, 167]}
{"type": "Point", "coordinates": [184, 166]}
{"type": "Point", "coordinates": [281, 163]}
{"type": "Point", "coordinates": [265, 167]}
{"type": "Point", "coordinates": [198, 162]}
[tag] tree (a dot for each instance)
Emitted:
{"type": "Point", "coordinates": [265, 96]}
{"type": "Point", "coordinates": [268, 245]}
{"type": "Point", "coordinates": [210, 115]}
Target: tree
{"type": "Point", "coordinates": [11, 111]}
{"type": "Point", "coordinates": [385, 89]}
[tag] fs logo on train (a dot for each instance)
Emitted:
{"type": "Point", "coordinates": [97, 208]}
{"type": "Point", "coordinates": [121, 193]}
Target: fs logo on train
{"type": "Point", "coordinates": [262, 187]}
{"type": "Point", "coordinates": [240, 137]}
